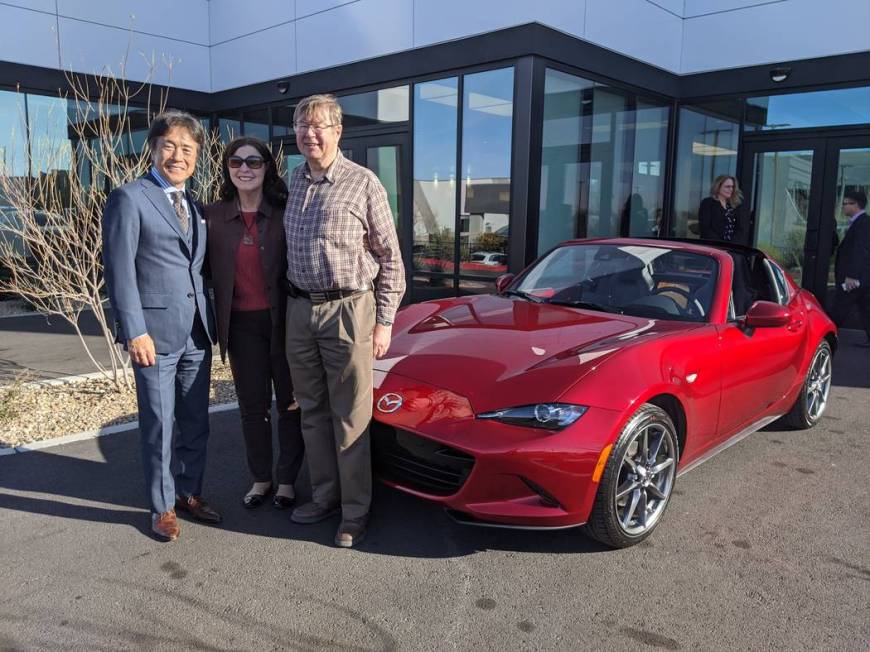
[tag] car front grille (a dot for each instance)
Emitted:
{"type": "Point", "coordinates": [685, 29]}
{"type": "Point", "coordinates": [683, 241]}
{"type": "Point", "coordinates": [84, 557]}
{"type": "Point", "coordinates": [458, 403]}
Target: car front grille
{"type": "Point", "coordinates": [418, 463]}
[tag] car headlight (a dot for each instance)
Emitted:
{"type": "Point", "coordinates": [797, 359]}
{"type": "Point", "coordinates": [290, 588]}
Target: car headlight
{"type": "Point", "coordinates": [549, 416]}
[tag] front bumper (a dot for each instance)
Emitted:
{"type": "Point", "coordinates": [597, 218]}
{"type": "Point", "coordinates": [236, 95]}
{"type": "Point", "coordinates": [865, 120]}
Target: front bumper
{"type": "Point", "coordinates": [483, 471]}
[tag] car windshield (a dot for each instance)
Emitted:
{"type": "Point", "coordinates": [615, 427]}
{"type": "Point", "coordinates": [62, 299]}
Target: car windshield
{"type": "Point", "coordinates": [654, 282]}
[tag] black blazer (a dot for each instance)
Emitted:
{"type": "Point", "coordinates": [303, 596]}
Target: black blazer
{"type": "Point", "coordinates": [225, 230]}
{"type": "Point", "coordinates": [853, 254]}
{"type": "Point", "coordinates": [711, 219]}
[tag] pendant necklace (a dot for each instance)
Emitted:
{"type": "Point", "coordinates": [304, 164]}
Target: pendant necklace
{"type": "Point", "coordinates": [248, 237]}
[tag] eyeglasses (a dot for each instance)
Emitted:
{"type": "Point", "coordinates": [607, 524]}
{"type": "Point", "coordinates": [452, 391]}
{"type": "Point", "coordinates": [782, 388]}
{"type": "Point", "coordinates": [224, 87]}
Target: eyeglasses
{"type": "Point", "coordinates": [302, 128]}
{"type": "Point", "coordinates": [253, 162]}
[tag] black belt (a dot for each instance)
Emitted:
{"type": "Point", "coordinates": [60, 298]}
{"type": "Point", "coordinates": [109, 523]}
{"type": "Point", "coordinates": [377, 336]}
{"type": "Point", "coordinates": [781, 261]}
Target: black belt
{"type": "Point", "coordinates": [321, 296]}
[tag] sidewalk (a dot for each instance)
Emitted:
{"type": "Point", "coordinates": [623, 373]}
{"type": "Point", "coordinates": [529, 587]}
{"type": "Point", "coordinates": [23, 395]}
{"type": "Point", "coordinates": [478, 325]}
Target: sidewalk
{"type": "Point", "coordinates": [41, 348]}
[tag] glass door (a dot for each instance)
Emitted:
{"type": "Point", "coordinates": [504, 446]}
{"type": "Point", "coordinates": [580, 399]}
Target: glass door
{"type": "Point", "coordinates": [782, 182]}
{"type": "Point", "coordinates": [847, 169]}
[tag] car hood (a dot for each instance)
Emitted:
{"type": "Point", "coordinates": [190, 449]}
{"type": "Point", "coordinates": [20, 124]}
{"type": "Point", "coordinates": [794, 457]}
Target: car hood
{"type": "Point", "coordinates": [497, 351]}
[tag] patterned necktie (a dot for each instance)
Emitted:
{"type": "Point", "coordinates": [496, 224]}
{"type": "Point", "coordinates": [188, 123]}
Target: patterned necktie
{"type": "Point", "coordinates": [180, 210]}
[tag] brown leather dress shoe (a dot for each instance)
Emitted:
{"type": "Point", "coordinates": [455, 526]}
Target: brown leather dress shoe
{"type": "Point", "coordinates": [196, 507]}
{"type": "Point", "coordinates": [165, 526]}
{"type": "Point", "coordinates": [350, 533]}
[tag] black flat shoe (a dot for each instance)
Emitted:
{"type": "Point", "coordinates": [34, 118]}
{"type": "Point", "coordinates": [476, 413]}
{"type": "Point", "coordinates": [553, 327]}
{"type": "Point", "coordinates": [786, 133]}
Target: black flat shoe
{"type": "Point", "coordinates": [252, 501]}
{"type": "Point", "coordinates": [282, 502]}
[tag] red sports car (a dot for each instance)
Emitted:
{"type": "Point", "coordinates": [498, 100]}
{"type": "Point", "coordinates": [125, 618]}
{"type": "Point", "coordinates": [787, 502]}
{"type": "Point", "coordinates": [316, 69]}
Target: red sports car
{"type": "Point", "coordinates": [579, 392]}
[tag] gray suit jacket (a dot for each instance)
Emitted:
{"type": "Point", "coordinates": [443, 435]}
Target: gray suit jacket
{"type": "Point", "coordinates": [153, 275]}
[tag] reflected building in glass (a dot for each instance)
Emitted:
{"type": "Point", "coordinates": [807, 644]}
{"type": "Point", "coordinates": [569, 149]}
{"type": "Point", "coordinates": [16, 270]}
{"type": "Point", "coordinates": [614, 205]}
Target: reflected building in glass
{"type": "Point", "coordinates": [496, 136]}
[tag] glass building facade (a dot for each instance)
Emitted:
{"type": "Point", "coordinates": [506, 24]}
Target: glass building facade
{"type": "Point", "coordinates": [489, 166]}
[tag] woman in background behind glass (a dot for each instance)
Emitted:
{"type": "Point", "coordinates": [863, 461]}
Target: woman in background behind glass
{"type": "Point", "coordinates": [721, 215]}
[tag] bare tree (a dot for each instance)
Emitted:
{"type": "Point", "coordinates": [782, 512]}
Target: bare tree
{"type": "Point", "coordinates": [51, 243]}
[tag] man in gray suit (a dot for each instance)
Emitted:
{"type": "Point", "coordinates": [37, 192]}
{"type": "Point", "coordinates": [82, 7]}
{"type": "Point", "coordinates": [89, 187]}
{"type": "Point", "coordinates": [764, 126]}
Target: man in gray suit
{"type": "Point", "coordinates": [154, 241]}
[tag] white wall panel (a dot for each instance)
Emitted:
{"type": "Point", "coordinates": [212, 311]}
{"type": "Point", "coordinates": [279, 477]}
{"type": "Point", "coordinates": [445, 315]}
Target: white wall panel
{"type": "Point", "coordinates": [28, 37]}
{"type": "Point", "coordinates": [637, 28]}
{"type": "Point", "coordinates": [797, 29]}
{"type": "Point", "coordinates": [186, 20]}
{"type": "Point", "coordinates": [310, 7]}
{"type": "Point", "coordinates": [233, 18]}
{"type": "Point", "coordinates": [250, 59]}
{"type": "Point", "coordinates": [36, 5]}
{"type": "Point", "coordinates": [442, 20]}
{"type": "Point", "coordinates": [674, 6]}
{"type": "Point", "coordinates": [703, 7]}
{"type": "Point", "coordinates": [352, 32]}
{"type": "Point", "coordinates": [90, 48]}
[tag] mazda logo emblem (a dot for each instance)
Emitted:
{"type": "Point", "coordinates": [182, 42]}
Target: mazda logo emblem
{"type": "Point", "coordinates": [389, 403]}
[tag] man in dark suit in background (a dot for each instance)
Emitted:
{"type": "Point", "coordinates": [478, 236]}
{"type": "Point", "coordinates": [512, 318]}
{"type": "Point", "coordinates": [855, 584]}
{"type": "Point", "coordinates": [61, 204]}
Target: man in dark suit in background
{"type": "Point", "coordinates": [852, 266]}
{"type": "Point", "coordinates": [154, 241]}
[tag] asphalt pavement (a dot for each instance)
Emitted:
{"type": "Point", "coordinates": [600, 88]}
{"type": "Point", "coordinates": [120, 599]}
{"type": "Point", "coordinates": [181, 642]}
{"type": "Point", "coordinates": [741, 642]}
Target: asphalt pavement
{"type": "Point", "coordinates": [764, 547]}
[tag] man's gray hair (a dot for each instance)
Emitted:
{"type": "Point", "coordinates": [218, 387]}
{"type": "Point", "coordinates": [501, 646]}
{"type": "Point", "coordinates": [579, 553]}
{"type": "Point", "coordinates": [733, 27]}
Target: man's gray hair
{"type": "Point", "coordinates": [315, 103]}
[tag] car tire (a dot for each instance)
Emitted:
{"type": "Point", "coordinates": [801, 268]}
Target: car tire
{"type": "Point", "coordinates": [635, 479]}
{"type": "Point", "coordinates": [813, 398]}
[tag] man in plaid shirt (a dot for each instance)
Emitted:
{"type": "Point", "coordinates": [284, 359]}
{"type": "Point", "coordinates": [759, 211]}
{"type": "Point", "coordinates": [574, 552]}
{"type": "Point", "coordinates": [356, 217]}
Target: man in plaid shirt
{"type": "Point", "coordinates": [345, 279]}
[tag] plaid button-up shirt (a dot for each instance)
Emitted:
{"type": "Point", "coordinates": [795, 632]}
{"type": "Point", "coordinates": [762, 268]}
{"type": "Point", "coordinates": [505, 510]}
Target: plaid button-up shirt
{"type": "Point", "coordinates": [341, 235]}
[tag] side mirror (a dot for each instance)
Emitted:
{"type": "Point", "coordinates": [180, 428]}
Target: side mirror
{"type": "Point", "coordinates": [766, 314]}
{"type": "Point", "coordinates": [503, 281]}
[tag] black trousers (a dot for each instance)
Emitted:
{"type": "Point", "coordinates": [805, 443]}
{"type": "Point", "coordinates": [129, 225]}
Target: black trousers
{"type": "Point", "coordinates": [256, 370]}
{"type": "Point", "coordinates": [845, 302]}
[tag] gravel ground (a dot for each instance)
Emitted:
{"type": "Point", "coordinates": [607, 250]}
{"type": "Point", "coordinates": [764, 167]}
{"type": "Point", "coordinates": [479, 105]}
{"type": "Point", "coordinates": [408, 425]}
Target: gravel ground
{"type": "Point", "coordinates": [36, 411]}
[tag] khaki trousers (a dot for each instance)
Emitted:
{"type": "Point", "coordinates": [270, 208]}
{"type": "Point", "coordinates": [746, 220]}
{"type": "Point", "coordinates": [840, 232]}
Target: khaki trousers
{"type": "Point", "coordinates": [329, 350]}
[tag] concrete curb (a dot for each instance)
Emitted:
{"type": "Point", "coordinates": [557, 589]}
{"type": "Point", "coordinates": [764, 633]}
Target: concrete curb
{"type": "Point", "coordinates": [93, 434]}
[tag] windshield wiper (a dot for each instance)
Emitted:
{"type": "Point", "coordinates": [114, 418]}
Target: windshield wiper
{"type": "Point", "coordinates": [524, 295]}
{"type": "Point", "coordinates": [588, 305]}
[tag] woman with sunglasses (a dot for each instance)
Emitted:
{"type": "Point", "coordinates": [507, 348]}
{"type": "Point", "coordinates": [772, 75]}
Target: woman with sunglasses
{"type": "Point", "coordinates": [247, 254]}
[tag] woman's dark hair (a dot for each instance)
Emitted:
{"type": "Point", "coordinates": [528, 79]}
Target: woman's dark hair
{"type": "Point", "coordinates": [165, 121]}
{"type": "Point", "coordinates": [274, 187]}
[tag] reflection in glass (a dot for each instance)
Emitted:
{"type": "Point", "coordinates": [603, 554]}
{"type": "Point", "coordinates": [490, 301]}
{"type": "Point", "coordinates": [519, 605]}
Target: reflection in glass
{"type": "Point", "coordinates": [229, 129]}
{"type": "Point", "coordinates": [376, 107]}
{"type": "Point", "coordinates": [282, 120]}
{"type": "Point", "coordinates": [257, 124]}
{"type": "Point", "coordinates": [781, 204]}
{"type": "Point", "coordinates": [603, 158]}
{"type": "Point", "coordinates": [485, 186]}
{"type": "Point", "coordinates": [384, 161]}
{"type": "Point", "coordinates": [853, 173]}
{"type": "Point", "coordinates": [13, 138]}
{"type": "Point", "coordinates": [291, 162]}
{"type": "Point", "coordinates": [844, 106]}
{"type": "Point", "coordinates": [434, 222]}
{"type": "Point", "coordinates": [706, 147]}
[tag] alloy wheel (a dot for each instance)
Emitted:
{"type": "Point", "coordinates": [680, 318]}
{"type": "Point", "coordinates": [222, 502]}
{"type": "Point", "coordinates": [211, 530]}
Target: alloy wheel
{"type": "Point", "coordinates": [646, 478]}
{"type": "Point", "coordinates": [818, 383]}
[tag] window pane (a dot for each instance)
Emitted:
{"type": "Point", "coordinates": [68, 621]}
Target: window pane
{"type": "Point", "coordinates": [282, 121]}
{"type": "Point", "coordinates": [385, 162]}
{"type": "Point", "coordinates": [706, 148]}
{"type": "Point", "coordinates": [257, 124]}
{"type": "Point", "coordinates": [845, 106]}
{"type": "Point", "coordinates": [435, 131]}
{"type": "Point", "coordinates": [229, 129]}
{"type": "Point", "coordinates": [602, 164]}
{"type": "Point", "coordinates": [13, 143]}
{"type": "Point", "coordinates": [487, 126]}
{"type": "Point", "coordinates": [376, 107]}
{"type": "Point", "coordinates": [50, 147]}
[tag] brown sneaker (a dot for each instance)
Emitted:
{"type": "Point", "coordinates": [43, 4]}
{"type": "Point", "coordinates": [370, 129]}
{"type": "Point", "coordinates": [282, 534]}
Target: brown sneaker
{"type": "Point", "coordinates": [165, 526]}
{"type": "Point", "coordinates": [350, 533]}
{"type": "Point", "coordinates": [198, 509]}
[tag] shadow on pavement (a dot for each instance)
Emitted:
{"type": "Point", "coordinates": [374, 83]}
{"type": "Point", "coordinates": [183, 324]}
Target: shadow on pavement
{"type": "Point", "coordinates": [851, 361]}
{"type": "Point", "coordinates": [108, 487]}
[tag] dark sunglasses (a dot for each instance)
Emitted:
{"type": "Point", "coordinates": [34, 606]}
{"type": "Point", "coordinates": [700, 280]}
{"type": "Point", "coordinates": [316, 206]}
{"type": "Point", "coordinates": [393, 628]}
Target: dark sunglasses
{"type": "Point", "coordinates": [253, 162]}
